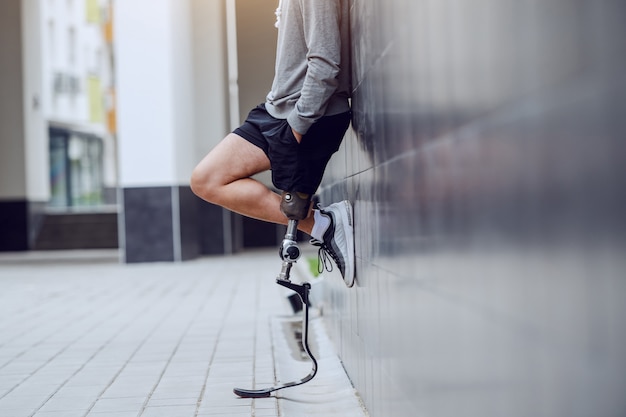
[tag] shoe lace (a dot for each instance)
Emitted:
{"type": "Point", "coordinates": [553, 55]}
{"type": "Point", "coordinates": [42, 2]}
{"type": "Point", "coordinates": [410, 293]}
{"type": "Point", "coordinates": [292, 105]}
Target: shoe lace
{"type": "Point", "coordinates": [323, 257]}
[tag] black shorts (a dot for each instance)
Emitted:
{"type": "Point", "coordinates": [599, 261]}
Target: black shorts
{"type": "Point", "coordinates": [295, 166]}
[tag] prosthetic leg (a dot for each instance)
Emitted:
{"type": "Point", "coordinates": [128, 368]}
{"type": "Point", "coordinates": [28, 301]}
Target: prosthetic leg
{"type": "Point", "coordinates": [296, 207]}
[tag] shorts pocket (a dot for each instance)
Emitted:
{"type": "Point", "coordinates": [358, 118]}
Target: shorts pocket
{"type": "Point", "coordinates": [283, 155]}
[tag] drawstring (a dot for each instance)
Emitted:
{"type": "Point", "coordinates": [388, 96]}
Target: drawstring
{"type": "Point", "coordinates": [278, 13]}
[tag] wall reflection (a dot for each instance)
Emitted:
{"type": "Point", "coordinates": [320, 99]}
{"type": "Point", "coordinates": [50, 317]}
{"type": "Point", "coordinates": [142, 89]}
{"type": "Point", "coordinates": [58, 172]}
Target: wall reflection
{"type": "Point", "coordinates": [486, 168]}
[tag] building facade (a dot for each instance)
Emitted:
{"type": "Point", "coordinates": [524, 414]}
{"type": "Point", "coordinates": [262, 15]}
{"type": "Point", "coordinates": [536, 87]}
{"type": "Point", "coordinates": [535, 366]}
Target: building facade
{"type": "Point", "coordinates": [76, 171]}
{"type": "Point", "coordinates": [78, 101]}
{"type": "Point", "coordinates": [62, 194]}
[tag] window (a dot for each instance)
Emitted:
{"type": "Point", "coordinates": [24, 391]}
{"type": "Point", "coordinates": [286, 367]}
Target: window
{"type": "Point", "coordinates": [76, 169]}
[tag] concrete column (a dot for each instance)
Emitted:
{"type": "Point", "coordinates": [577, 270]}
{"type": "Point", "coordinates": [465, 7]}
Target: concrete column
{"type": "Point", "coordinates": [24, 186]}
{"type": "Point", "coordinates": [171, 80]}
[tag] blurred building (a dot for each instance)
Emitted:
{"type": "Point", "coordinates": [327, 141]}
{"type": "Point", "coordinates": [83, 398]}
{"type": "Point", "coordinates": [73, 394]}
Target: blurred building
{"type": "Point", "coordinates": [78, 101]}
{"type": "Point", "coordinates": [58, 144]}
{"type": "Point", "coordinates": [79, 173]}
{"type": "Point", "coordinates": [184, 72]}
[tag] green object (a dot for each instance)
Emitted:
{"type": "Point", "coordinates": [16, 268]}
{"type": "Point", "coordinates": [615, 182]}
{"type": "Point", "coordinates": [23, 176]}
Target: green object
{"type": "Point", "coordinates": [313, 266]}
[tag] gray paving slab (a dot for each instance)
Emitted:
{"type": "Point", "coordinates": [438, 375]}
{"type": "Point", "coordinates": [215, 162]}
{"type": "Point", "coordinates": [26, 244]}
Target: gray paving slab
{"type": "Point", "coordinates": [82, 335]}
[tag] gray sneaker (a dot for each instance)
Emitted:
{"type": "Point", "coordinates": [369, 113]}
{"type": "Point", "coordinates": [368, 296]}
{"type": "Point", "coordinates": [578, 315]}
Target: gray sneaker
{"type": "Point", "coordinates": [338, 241]}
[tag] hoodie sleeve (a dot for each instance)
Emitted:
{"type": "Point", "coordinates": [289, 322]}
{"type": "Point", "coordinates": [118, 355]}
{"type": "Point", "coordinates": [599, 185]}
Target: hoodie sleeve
{"type": "Point", "coordinates": [321, 28]}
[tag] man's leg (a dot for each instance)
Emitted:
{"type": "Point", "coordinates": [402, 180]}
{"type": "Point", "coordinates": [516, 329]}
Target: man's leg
{"type": "Point", "coordinates": [223, 178]}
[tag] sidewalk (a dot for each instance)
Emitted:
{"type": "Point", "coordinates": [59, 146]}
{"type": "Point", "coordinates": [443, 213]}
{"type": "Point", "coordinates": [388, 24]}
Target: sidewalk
{"type": "Point", "coordinates": [83, 335]}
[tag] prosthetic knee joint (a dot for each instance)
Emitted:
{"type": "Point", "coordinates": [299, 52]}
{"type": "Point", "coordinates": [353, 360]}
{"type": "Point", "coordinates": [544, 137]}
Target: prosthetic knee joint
{"type": "Point", "coordinates": [295, 206]}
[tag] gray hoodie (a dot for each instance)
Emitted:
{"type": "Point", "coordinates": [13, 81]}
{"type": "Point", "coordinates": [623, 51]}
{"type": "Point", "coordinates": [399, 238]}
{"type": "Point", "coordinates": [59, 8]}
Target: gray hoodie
{"type": "Point", "coordinates": [312, 74]}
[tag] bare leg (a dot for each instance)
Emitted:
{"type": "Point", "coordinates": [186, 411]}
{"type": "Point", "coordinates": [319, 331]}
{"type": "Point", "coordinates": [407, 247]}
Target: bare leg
{"type": "Point", "coordinates": [223, 178]}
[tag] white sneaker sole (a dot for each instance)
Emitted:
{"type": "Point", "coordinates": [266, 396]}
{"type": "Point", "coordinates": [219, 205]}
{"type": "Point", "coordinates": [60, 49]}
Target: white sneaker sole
{"type": "Point", "coordinates": [347, 220]}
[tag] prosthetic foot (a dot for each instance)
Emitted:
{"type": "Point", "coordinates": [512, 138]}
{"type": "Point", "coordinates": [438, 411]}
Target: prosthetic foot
{"type": "Point", "coordinates": [296, 207]}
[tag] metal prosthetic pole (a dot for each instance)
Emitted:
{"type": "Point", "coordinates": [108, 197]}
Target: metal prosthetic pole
{"type": "Point", "coordinates": [296, 207]}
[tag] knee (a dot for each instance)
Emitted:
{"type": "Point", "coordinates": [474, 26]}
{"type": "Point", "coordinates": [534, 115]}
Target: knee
{"type": "Point", "coordinates": [203, 184]}
{"type": "Point", "coordinates": [195, 182]}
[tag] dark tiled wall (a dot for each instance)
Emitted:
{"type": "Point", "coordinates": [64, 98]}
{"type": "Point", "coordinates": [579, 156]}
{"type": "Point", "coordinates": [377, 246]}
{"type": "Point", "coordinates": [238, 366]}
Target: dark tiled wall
{"type": "Point", "coordinates": [169, 223]}
{"type": "Point", "coordinates": [486, 166]}
{"type": "Point", "coordinates": [86, 230]}
{"type": "Point", "coordinates": [14, 225]}
{"type": "Point", "coordinates": [210, 228]}
{"type": "Point", "coordinates": [148, 224]}
{"type": "Point", "coordinates": [20, 224]}
{"type": "Point", "coordinates": [188, 206]}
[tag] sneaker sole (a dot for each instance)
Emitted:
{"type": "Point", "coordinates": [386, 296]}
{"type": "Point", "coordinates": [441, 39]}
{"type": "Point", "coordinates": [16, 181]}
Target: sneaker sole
{"type": "Point", "coordinates": [347, 220]}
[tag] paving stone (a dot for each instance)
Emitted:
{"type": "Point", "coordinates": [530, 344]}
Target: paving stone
{"type": "Point", "coordinates": [107, 405]}
{"type": "Point", "coordinates": [152, 340]}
